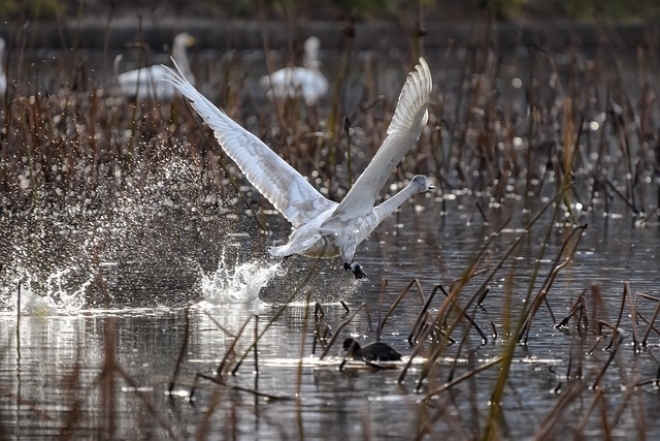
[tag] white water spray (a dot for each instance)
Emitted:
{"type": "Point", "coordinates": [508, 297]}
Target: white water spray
{"type": "Point", "coordinates": [241, 283]}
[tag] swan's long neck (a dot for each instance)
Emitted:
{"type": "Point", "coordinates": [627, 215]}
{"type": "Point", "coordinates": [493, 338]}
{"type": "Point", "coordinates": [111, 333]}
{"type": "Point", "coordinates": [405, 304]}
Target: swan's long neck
{"type": "Point", "coordinates": [390, 206]}
{"type": "Point", "coordinates": [311, 58]}
{"type": "Point", "coordinates": [179, 55]}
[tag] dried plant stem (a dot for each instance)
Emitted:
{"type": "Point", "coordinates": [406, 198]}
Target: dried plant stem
{"type": "Point", "coordinates": [495, 416]}
{"type": "Point", "coordinates": [613, 351]}
{"type": "Point", "coordinates": [299, 370]}
{"type": "Point", "coordinates": [182, 351]}
{"type": "Point", "coordinates": [650, 323]}
{"type": "Point", "coordinates": [162, 421]}
{"type": "Point", "coordinates": [381, 323]}
{"type": "Point", "coordinates": [461, 378]}
{"type": "Point", "coordinates": [421, 318]}
{"type": "Point", "coordinates": [545, 288]}
{"type": "Point", "coordinates": [553, 419]}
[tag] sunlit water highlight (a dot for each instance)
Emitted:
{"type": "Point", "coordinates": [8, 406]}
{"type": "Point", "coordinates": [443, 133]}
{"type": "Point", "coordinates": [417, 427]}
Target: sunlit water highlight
{"type": "Point", "coordinates": [167, 257]}
{"type": "Point", "coordinates": [52, 329]}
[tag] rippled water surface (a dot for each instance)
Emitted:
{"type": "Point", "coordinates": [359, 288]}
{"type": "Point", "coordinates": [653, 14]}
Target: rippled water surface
{"type": "Point", "coordinates": [106, 320]}
{"type": "Point", "coordinates": [154, 302]}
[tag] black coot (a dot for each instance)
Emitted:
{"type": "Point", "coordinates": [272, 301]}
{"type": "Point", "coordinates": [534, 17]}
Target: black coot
{"type": "Point", "coordinates": [377, 351]}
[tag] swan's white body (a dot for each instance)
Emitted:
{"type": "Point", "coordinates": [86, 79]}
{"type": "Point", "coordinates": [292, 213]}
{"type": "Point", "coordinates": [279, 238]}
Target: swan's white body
{"type": "Point", "coordinates": [291, 82]}
{"type": "Point", "coordinates": [3, 78]}
{"type": "Point", "coordinates": [148, 82]}
{"type": "Point", "coordinates": [322, 227]}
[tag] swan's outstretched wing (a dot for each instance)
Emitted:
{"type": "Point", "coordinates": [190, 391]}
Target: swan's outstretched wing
{"type": "Point", "coordinates": [409, 119]}
{"type": "Point", "coordinates": [280, 183]}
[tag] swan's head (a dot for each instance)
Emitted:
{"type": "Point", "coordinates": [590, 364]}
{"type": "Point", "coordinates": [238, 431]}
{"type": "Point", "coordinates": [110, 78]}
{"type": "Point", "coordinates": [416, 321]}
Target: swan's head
{"type": "Point", "coordinates": [312, 45]}
{"type": "Point", "coordinates": [311, 58]}
{"type": "Point", "coordinates": [421, 183]}
{"type": "Point", "coordinates": [184, 39]}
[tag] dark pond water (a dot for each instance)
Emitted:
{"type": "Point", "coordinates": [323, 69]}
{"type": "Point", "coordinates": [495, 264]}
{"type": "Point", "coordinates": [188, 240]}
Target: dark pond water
{"type": "Point", "coordinates": [53, 358]}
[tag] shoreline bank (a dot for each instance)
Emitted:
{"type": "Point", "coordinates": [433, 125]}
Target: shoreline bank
{"type": "Point", "coordinates": [373, 35]}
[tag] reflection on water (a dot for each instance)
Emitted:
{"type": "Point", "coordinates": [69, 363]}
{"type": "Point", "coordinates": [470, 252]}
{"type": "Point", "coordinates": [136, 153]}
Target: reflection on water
{"type": "Point", "coordinates": [97, 309]}
{"type": "Point", "coordinates": [54, 357]}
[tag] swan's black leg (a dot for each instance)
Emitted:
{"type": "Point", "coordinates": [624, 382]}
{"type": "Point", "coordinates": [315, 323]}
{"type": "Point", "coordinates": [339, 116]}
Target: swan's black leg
{"type": "Point", "coordinates": [356, 268]}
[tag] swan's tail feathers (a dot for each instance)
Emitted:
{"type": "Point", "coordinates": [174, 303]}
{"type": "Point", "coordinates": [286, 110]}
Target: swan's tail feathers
{"type": "Point", "coordinates": [281, 251]}
{"type": "Point", "coordinates": [414, 98]}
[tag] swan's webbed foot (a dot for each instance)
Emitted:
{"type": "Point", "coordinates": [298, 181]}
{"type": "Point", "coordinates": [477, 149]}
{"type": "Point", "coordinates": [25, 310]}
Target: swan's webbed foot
{"type": "Point", "coordinates": [356, 269]}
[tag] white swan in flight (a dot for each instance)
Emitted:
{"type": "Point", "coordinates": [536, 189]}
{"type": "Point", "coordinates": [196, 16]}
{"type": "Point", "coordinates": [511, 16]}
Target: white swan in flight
{"type": "Point", "coordinates": [147, 82]}
{"type": "Point", "coordinates": [3, 77]}
{"type": "Point", "coordinates": [291, 82]}
{"type": "Point", "coordinates": [321, 227]}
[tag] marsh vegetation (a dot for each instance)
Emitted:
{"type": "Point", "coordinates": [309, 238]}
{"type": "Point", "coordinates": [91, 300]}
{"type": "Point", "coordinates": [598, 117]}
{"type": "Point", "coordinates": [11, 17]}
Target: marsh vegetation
{"type": "Point", "coordinates": [520, 294]}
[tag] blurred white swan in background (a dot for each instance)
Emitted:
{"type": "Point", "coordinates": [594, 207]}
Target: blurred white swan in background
{"type": "Point", "coordinates": [148, 81]}
{"type": "Point", "coordinates": [291, 82]}
{"type": "Point", "coordinates": [321, 227]}
{"type": "Point", "coordinates": [3, 77]}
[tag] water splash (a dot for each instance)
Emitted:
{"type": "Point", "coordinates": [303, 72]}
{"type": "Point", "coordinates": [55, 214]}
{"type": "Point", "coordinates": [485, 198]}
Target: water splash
{"type": "Point", "coordinates": [135, 242]}
{"type": "Point", "coordinates": [240, 283]}
{"type": "Point", "coordinates": [33, 304]}
{"type": "Point", "coordinates": [60, 293]}
{"type": "Point", "coordinates": [67, 299]}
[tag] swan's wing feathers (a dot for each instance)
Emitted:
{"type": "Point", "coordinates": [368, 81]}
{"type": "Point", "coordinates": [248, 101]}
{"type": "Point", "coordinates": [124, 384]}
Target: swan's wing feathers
{"type": "Point", "coordinates": [280, 183]}
{"type": "Point", "coordinates": [409, 119]}
{"type": "Point", "coordinates": [412, 108]}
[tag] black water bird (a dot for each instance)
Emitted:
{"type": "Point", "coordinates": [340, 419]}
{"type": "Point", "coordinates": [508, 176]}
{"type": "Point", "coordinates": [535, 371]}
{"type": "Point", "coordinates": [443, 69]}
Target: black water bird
{"type": "Point", "coordinates": [377, 351]}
